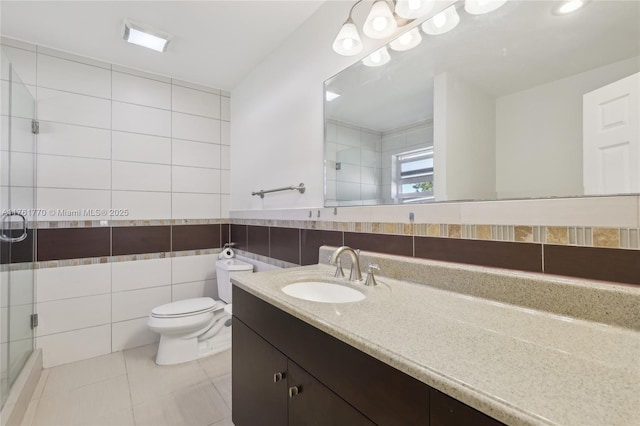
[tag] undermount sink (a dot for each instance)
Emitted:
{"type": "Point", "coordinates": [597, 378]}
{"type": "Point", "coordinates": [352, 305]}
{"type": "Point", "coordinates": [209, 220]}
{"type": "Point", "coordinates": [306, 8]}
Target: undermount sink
{"type": "Point", "coordinates": [323, 292]}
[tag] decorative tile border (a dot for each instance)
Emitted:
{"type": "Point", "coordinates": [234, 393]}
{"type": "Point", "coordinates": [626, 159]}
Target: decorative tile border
{"type": "Point", "coordinates": [117, 223]}
{"type": "Point", "coordinates": [626, 238]}
{"type": "Point", "coordinates": [107, 259]}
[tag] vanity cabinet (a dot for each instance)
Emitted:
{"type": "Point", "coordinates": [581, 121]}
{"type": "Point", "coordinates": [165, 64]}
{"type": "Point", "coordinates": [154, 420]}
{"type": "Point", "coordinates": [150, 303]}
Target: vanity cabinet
{"type": "Point", "coordinates": [337, 383]}
{"type": "Point", "coordinates": [270, 389]}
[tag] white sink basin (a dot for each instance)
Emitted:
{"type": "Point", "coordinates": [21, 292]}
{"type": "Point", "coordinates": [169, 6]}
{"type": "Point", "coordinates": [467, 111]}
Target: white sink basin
{"type": "Point", "coordinates": [318, 291]}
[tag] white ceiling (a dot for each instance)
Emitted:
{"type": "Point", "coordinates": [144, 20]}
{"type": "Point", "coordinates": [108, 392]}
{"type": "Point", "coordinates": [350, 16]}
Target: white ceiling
{"type": "Point", "coordinates": [215, 43]}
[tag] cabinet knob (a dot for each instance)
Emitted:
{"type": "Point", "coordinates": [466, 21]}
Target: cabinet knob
{"type": "Point", "coordinates": [277, 377]}
{"type": "Point", "coordinates": [294, 390]}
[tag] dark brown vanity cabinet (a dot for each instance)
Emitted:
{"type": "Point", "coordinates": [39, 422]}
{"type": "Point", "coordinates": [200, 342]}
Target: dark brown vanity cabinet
{"type": "Point", "coordinates": [269, 389]}
{"type": "Point", "coordinates": [286, 372]}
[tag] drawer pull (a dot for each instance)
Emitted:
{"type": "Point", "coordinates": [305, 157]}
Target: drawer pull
{"type": "Point", "coordinates": [277, 377]}
{"type": "Point", "coordinates": [294, 390]}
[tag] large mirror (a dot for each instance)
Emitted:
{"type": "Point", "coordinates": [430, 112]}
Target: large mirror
{"type": "Point", "coordinates": [522, 102]}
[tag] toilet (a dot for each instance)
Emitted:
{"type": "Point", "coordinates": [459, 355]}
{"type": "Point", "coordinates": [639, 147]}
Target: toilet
{"type": "Point", "coordinates": [194, 328]}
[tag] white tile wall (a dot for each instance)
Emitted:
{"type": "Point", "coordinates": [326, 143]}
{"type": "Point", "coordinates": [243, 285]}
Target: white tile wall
{"type": "Point", "coordinates": [126, 305]}
{"type": "Point", "coordinates": [195, 128]}
{"type": "Point", "coordinates": [193, 268]}
{"type": "Point", "coordinates": [106, 142]}
{"type": "Point", "coordinates": [195, 154]}
{"type": "Point", "coordinates": [131, 333]}
{"type": "Point", "coordinates": [141, 91]}
{"type": "Point", "coordinates": [141, 176]}
{"type": "Point", "coordinates": [142, 148]}
{"type": "Point", "coordinates": [72, 281]}
{"type": "Point", "coordinates": [55, 171]}
{"type": "Point", "coordinates": [75, 141]}
{"type": "Point", "coordinates": [142, 205]}
{"type": "Point", "coordinates": [71, 108]}
{"type": "Point", "coordinates": [141, 274]}
{"type": "Point", "coordinates": [194, 206]}
{"type": "Point", "coordinates": [70, 76]}
{"type": "Point", "coordinates": [191, 179]}
{"type": "Point", "coordinates": [75, 345]}
{"type": "Point", "coordinates": [195, 102]}
{"type": "Point", "coordinates": [141, 119]}
{"type": "Point", "coordinates": [73, 314]}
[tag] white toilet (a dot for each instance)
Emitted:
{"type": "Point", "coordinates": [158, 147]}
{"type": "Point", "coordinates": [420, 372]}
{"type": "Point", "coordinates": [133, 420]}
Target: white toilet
{"type": "Point", "coordinates": [194, 328]}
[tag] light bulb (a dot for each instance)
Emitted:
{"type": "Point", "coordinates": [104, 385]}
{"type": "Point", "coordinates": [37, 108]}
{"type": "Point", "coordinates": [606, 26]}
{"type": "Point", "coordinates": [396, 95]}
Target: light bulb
{"type": "Point", "coordinates": [443, 22]}
{"type": "Point", "coordinates": [480, 7]}
{"type": "Point", "coordinates": [406, 41]}
{"type": "Point", "coordinates": [377, 58]}
{"type": "Point", "coordinates": [439, 20]}
{"type": "Point", "coordinates": [347, 44]}
{"type": "Point", "coordinates": [405, 38]}
{"type": "Point", "coordinates": [413, 9]}
{"type": "Point", "coordinates": [379, 23]}
{"type": "Point", "coordinates": [414, 4]}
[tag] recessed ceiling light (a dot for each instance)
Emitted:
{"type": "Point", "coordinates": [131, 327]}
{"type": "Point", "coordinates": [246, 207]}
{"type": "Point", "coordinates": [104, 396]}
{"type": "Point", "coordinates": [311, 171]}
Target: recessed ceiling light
{"type": "Point", "coordinates": [145, 36]}
{"type": "Point", "coordinates": [329, 95]}
{"type": "Point", "coordinates": [569, 6]}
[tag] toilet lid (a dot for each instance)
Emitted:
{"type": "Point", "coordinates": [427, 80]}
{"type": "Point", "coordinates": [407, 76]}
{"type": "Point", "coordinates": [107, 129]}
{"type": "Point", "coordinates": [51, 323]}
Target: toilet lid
{"type": "Point", "coordinates": [185, 307]}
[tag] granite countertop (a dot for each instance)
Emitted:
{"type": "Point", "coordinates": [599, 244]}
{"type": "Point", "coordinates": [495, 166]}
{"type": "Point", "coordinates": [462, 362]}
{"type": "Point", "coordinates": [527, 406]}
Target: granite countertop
{"type": "Point", "coordinates": [519, 365]}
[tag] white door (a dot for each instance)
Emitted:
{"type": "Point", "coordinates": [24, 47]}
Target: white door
{"type": "Point", "coordinates": [611, 138]}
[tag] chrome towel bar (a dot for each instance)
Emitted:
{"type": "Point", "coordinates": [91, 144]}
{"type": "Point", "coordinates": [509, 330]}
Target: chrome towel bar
{"type": "Point", "coordinates": [286, 188]}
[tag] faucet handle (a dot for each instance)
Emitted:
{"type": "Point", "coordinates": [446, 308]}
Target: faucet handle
{"type": "Point", "coordinates": [371, 279]}
{"type": "Point", "coordinates": [339, 272]}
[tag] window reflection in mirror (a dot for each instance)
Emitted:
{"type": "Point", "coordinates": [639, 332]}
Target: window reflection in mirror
{"type": "Point", "coordinates": [518, 103]}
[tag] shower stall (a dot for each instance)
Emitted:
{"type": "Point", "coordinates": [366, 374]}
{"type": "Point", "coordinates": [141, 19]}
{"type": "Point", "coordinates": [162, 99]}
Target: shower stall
{"type": "Point", "coordinates": [17, 202]}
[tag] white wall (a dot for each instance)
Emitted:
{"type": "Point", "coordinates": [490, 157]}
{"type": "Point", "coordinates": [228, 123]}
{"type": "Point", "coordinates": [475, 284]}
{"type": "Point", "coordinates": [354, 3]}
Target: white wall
{"type": "Point", "coordinates": [277, 127]}
{"type": "Point", "coordinates": [112, 137]}
{"type": "Point", "coordinates": [117, 138]}
{"type": "Point", "coordinates": [92, 310]}
{"type": "Point", "coordinates": [543, 125]}
{"type": "Point", "coordinates": [464, 140]}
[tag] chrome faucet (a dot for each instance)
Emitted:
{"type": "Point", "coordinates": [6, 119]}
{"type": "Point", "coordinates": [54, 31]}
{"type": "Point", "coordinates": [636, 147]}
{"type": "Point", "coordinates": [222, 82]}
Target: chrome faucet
{"type": "Point", "coordinates": [355, 275]}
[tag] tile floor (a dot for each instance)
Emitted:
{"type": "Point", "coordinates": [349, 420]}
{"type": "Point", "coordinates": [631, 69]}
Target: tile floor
{"type": "Point", "coordinates": [128, 388]}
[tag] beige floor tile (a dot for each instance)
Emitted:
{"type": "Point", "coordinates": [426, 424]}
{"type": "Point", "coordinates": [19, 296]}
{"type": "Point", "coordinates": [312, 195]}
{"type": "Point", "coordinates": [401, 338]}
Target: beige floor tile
{"type": "Point", "coordinates": [96, 402]}
{"type": "Point", "coordinates": [217, 365]}
{"type": "Point", "coordinates": [37, 393]}
{"type": "Point", "coordinates": [54, 411]}
{"type": "Point", "coordinates": [67, 377]}
{"type": "Point", "coordinates": [149, 381]}
{"type": "Point", "coordinates": [223, 385]}
{"type": "Point", "coordinates": [195, 405]}
{"type": "Point", "coordinates": [118, 418]}
{"type": "Point", "coordinates": [27, 419]}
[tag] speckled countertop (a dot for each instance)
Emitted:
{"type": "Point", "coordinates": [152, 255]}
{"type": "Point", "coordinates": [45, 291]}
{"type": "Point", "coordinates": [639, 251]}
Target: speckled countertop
{"type": "Point", "coordinates": [519, 365]}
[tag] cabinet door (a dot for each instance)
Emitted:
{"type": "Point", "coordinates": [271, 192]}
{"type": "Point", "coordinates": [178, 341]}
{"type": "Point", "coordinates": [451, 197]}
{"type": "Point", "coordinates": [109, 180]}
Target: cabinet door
{"type": "Point", "coordinates": [259, 383]}
{"type": "Point", "coordinates": [447, 411]}
{"type": "Point", "coordinates": [311, 403]}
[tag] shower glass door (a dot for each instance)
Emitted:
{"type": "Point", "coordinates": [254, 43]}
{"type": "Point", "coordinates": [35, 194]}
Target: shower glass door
{"type": "Point", "coordinates": [17, 200]}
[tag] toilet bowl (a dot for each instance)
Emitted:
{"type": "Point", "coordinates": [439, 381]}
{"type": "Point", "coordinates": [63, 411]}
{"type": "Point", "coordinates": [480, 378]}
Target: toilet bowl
{"type": "Point", "coordinates": [194, 328]}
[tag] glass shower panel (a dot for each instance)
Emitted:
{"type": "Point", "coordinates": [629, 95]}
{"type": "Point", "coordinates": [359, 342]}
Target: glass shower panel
{"type": "Point", "coordinates": [17, 201]}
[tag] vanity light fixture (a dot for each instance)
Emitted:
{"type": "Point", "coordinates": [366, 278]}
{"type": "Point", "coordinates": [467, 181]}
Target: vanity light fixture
{"type": "Point", "coordinates": [443, 22]}
{"type": "Point", "coordinates": [480, 7]}
{"type": "Point", "coordinates": [348, 42]}
{"type": "Point", "coordinates": [568, 6]}
{"type": "Point", "coordinates": [380, 22]}
{"type": "Point", "coordinates": [145, 36]}
{"type": "Point", "coordinates": [413, 9]}
{"type": "Point", "coordinates": [406, 41]}
{"type": "Point", "coordinates": [377, 58]}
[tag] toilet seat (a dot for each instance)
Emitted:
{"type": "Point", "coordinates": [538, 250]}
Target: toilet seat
{"type": "Point", "coordinates": [185, 308]}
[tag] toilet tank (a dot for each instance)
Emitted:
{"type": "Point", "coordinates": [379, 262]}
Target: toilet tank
{"type": "Point", "coordinates": [224, 269]}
